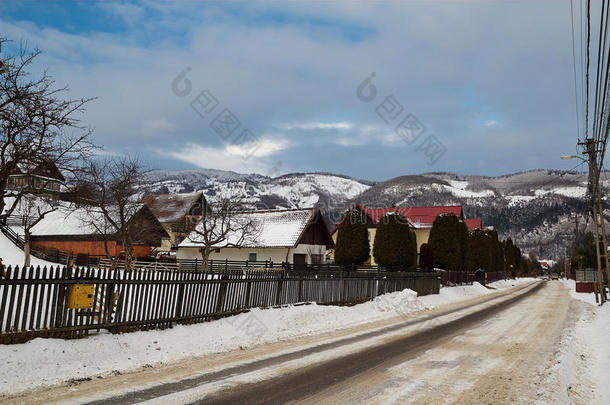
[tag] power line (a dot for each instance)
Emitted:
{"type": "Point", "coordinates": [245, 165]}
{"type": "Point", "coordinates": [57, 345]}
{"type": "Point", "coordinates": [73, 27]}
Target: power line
{"type": "Point", "coordinates": [574, 68]}
{"type": "Point", "coordinates": [587, 67]}
{"type": "Point", "coordinates": [582, 58]}
{"type": "Point", "coordinates": [598, 76]}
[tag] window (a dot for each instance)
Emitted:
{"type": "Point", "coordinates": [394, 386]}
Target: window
{"type": "Point", "coordinates": [316, 259]}
{"type": "Point", "coordinates": [251, 257]}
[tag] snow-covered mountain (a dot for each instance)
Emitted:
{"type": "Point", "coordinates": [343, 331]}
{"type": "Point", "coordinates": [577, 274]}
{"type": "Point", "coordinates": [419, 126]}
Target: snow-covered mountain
{"type": "Point", "coordinates": [532, 207]}
{"type": "Point", "coordinates": [297, 190]}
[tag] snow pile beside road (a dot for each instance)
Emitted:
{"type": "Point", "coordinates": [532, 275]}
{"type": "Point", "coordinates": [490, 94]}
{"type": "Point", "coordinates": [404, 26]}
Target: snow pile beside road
{"type": "Point", "coordinates": [448, 295]}
{"type": "Point", "coordinates": [597, 332]}
{"type": "Point", "coordinates": [584, 358]}
{"type": "Point", "coordinates": [504, 284]}
{"type": "Point", "coordinates": [50, 361]}
{"type": "Point", "coordinates": [406, 301]}
{"type": "Point", "coordinates": [589, 298]}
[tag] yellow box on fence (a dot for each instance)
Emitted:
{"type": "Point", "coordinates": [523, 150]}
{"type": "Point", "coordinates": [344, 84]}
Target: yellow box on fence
{"type": "Point", "coordinates": [81, 296]}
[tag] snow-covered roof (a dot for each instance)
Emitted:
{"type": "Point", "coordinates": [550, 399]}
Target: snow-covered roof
{"type": "Point", "coordinates": [65, 221]}
{"type": "Point", "coordinates": [45, 169]}
{"type": "Point", "coordinates": [275, 228]}
{"type": "Point", "coordinates": [170, 208]}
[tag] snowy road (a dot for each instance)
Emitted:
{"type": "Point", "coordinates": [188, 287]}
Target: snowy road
{"type": "Point", "coordinates": [493, 349]}
{"type": "Point", "coordinates": [491, 354]}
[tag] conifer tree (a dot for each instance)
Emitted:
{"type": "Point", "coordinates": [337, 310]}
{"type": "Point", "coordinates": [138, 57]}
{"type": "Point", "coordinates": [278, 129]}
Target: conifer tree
{"type": "Point", "coordinates": [480, 248]}
{"type": "Point", "coordinates": [494, 250]}
{"type": "Point", "coordinates": [394, 241]}
{"type": "Point", "coordinates": [462, 234]}
{"type": "Point", "coordinates": [352, 245]}
{"type": "Point", "coordinates": [426, 257]}
{"type": "Point", "coordinates": [412, 260]}
{"type": "Point", "coordinates": [444, 242]}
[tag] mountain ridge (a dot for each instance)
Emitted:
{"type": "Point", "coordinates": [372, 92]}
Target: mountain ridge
{"type": "Point", "coordinates": [533, 207]}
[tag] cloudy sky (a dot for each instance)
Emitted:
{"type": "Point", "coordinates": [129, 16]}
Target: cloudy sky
{"type": "Point", "coordinates": [474, 87]}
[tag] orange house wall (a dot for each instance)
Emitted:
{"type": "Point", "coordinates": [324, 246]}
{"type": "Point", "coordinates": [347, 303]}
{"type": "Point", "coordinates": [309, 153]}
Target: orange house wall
{"type": "Point", "coordinates": [90, 247]}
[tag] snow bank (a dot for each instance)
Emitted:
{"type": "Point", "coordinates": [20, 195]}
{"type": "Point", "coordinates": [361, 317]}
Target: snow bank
{"type": "Point", "coordinates": [12, 255]}
{"type": "Point", "coordinates": [50, 361]}
{"type": "Point", "coordinates": [596, 333]}
{"type": "Point", "coordinates": [589, 298]}
{"type": "Point", "coordinates": [585, 352]}
{"type": "Point", "coordinates": [504, 284]}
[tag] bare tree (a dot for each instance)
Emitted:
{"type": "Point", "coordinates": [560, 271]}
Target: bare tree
{"type": "Point", "coordinates": [32, 209]}
{"type": "Point", "coordinates": [224, 223]}
{"type": "Point", "coordinates": [37, 125]}
{"type": "Point", "coordinates": [115, 210]}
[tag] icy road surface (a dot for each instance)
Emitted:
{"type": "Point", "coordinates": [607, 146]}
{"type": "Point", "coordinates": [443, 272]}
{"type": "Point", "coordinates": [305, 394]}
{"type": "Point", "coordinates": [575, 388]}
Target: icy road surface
{"type": "Point", "coordinates": [499, 348]}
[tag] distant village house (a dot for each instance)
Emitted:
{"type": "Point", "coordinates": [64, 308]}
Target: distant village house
{"type": "Point", "coordinates": [177, 213]}
{"type": "Point", "coordinates": [43, 176]}
{"type": "Point", "coordinates": [420, 219]}
{"type": "Point", "coordinates": [297, 236]}
{"type": "Point", "coordinates": [65, 231]}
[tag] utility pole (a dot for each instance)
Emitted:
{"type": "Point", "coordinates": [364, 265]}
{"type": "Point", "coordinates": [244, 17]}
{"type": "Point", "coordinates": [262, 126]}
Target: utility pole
{"type": "Point", "coordinates": [568, 259]}
{"type": "Point", "coordinates": [574, 218]}
{"type": "Point", "coordinates": [601, 246]}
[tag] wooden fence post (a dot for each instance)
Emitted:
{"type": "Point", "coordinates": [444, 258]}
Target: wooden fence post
{"type": "Point", "coordinates": [222, 292]}
{"type": "Point", "coordinates": [300, 299]}
{"type": "Point", "coordinates": [279, 289]}
{"type": "Point", "coordinates": [248, 290]}
{"type": "Point", "coordinates": [180, 298]}
{"type": "Point", "coordinates": [61, 298]}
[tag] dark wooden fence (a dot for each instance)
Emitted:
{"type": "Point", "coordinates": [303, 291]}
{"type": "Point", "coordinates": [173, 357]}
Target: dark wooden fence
{"type": "Point", "coordinates": [450, 277]}
{"type": "Point", "coordinates": [34, 302]}
{"type": "Point", "coordinates": [496, 276]}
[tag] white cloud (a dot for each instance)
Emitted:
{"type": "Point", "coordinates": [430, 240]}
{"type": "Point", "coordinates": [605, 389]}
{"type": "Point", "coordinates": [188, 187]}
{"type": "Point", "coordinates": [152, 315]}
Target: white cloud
{"type": "Point", "coordinates": [261, 148]}
{"type": "Point", "coordinates": [308, 126]}
{"type": "Point", "coordinates": [490, 123]}
{"type": "Point", "coordinates": [244, 158]}
{"type": "Point", "coordinates": [160, 125]}
{"type": "Point", "coordinates": [305, 77]}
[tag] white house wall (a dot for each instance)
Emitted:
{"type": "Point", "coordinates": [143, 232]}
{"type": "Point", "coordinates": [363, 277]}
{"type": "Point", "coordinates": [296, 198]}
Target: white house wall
{"type": "Point", "coordinates": [277, 255]}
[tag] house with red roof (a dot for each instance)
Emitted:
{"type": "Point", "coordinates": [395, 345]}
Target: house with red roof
{"type": "Point", "coordinates": [473, 223]}
{"type": "Point", "coordinates": [420, 219]}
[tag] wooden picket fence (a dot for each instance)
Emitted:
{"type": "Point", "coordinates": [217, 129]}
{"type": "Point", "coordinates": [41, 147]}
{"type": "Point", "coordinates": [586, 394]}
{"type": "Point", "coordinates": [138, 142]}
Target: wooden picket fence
{"type": "Point", "coordinates": [34, 302]}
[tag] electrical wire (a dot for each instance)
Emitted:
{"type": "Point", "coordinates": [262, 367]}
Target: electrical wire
{"type": "Point", "coordinates": [588, 62]}
{"type": "Point", "coordinates": [598, 75]}
{"type": "Point", "coordinates": [574, 68]}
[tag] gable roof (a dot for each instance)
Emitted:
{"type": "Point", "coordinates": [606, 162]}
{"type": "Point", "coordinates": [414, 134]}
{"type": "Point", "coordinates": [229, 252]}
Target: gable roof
{"type": "Point", "coordinates": [45, 169]}
{"type": "Point", "coordinates": [170, 208]}
{"type": "Point", "coordinates": [72, 222]}
{"type": "Point", "coordinates": [273, 229]}
{"type": "Point", "coordinates": [418, 217]}
{"type": "Point", "coordinates": [473, 223]}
